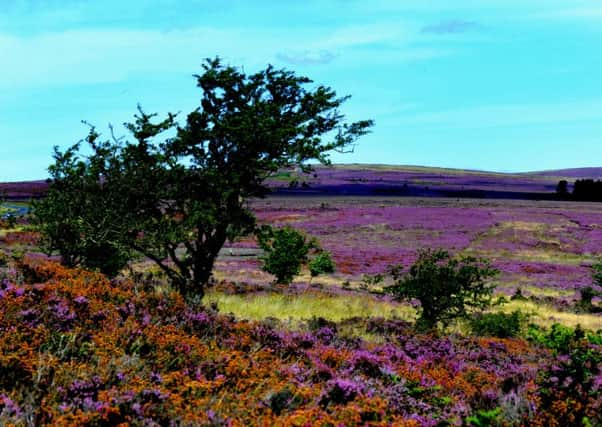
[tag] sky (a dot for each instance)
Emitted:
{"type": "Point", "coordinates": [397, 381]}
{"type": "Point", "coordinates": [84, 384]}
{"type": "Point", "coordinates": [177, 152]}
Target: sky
{"type": "Point", "coordinates": [502, 85]}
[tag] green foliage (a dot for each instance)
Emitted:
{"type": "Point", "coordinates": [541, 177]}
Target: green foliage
{"type": "Point", "coordinates": [370, 281]}
{"type": "Point", "coordinates": [501, 325]}
{"type": "Point", "coordinates": [178, 200]}
{"type": "Point", "coordinates": [574, 373]}
{"type": "Point", "coordinates": [11, 220]}
{"type": "Point", "coordinates": [585, 303]}
{"type": "Point", "coordinates": [447, 288]}
{"type": "Point", "coordinates": [4, 258]}
{"type": "Point", "coordinates": [518, 295]}
{"type": "Point", "coordinates": [484, 418]}
{"type": "Point", "coordinates": [597, 274]}
{"type": "Point", "coordinates": [284, 399]}
{"type": "Point", "coordinates": [560, 338]}
{"type": "Point", "coordinates": [321, 264]}
{"type": "Point", "coordinates": [286, 251]}
{"type": "Point", "coordinates": [78, 216]}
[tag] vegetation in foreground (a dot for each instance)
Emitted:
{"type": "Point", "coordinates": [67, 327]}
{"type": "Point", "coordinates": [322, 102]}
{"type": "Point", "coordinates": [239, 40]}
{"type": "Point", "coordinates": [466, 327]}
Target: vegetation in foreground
{"type": "Point", "coordinates": [79, 349]}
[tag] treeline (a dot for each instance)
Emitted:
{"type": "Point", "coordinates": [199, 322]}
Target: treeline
{"type": "Point", "coordinates": [585, 190]}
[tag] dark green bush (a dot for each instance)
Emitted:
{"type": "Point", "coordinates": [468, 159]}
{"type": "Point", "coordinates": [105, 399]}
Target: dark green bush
{"type": "Point", "coordinates": [447, 288]}
{"type": "Point", "coordinates": [597, 274]}
{"type": "Point", "coordinates": [286, 251]}
{"type": "Point", "coordinates": [501, 325]}
{"type": "Point", "coordinates": [321, 264]}
{"type": "Point", "coordinates": [368, 281]}
{"type": "Point", "coordinates": [585, 303]}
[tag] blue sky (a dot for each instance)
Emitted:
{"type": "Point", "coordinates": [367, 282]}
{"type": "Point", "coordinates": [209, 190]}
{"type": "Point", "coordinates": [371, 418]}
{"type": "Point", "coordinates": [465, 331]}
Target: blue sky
{"type": "Point", "coordinates": [506, 85]}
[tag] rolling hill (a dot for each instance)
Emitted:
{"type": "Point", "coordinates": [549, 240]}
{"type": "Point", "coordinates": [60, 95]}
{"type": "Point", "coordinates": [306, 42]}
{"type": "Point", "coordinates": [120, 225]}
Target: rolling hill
{"type": "Point", "coordinates": [412, 181]}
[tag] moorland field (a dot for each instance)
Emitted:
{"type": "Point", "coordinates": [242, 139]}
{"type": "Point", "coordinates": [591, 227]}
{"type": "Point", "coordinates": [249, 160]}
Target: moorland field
{"type": "Point", "coordinates": [77, 348]}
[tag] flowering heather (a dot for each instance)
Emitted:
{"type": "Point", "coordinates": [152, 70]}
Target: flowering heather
{"type": "Point", "coordinates": [367, 239]}
{"type": "Point", "coordinates": [535, 244]}
{"type": "Point", "coordinates": [78, 349]}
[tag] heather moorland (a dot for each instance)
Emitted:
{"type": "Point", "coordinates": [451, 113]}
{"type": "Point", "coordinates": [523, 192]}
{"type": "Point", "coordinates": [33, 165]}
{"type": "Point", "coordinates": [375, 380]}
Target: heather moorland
{"type": "Point", "coordinates": [78, 348]}
{"type": "Point", "coordinates": [322, 213]}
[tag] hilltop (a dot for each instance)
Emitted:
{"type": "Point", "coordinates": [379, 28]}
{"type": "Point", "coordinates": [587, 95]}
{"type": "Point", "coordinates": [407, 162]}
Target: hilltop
{"type": "Point", "coordinates": [574, 173]}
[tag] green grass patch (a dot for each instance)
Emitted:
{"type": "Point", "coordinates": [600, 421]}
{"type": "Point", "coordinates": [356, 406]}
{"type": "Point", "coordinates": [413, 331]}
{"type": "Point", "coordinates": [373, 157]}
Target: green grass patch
{"type": "Point", "coordinates": [547, 292]}
{"type": "Point", "coordinates": [546, 316]}
{"type": "Point", "coordinates": [533, 255]}
{"type": "Point", "coordinates": [308, 305]}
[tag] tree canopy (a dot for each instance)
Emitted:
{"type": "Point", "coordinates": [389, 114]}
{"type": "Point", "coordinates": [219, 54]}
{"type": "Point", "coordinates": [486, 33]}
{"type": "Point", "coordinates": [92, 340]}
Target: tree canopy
{"type": "Point", "coordinates": [176, 199]}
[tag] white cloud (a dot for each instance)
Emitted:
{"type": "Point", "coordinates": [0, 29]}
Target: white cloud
{"type": "Point", "coordinates": [112, 55]}
{"type": "Point", "coordinates": [307, 57]}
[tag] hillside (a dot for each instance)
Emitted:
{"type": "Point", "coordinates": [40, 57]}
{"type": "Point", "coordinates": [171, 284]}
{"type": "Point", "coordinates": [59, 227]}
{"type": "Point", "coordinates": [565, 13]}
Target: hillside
{"type": "Point", "coordinates": [574, 173]}
{"type": "Point", "coordinates": [414, 181]}
{"type": "Point", "coordinates": [78, 349]}
{"type": "Point", "coordinates": [23, 190]}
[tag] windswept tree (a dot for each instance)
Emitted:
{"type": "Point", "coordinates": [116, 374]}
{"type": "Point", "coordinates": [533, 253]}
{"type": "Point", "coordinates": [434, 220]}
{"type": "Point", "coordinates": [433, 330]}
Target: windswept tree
{"type": "Point", "coordinates": [178, 200]}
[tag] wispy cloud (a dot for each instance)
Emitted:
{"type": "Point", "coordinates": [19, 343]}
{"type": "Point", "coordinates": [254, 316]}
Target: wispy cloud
{"type": "Point", "coordinates": [307, 58]}
{"type": "Point", "coordinates": [103, 55]}
{"type": "Point", "coordinates": [451, 27]}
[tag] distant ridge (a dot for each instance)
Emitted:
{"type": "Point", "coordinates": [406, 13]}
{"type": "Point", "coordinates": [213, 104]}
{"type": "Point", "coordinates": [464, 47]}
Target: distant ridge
{"type": "Point", "coordinates": [393, 180]}
{"type": "Point", "coordinates": [593, 173]}
{"type": "Point", "coordinates": [23, 190]}
{"type": "Point", "coordinates": [585, 172]}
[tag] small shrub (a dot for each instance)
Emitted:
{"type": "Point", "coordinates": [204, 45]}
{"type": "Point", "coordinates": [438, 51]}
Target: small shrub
{"type": "Point", "coordinates": [3, 259]}
{"type": "Point", "coordinates": [286, 251]}
{"type": "Point", "coordinates": [572, 376]}
{"type": "Point", "coordinates": [369, 282]}
{"type": "Point", "coordinates": [585, 303]}
{"type": "Point", "coordinates": [11, 220]}
{"type": "Point", "coordinates": [597, 274]}
{"type": "Point", "coordinates": [484, 418]}
{"type": "Point", "coordinates": [317, 323]}
{"type": "Point", "coordinates": [340, 391]}
{"type": "Point", "coordinates": [447, 288]}
{"type": "Point", "coordinates": [501, 325]}
{"type": "Point", "coordinates": [284, 399]}
{"type": "Point", "coordinates": [518, 295]}
{"type": "Point", "coordinates": [561, 338]}
{"type": "Point", "coordinates": [321, 264]}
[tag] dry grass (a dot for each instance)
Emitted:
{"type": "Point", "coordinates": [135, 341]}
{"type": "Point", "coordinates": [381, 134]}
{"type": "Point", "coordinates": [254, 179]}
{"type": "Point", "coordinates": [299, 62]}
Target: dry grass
{"type": "Point", "coordinates": [546, 316]}
{"type": "Point", "coordinates": [306, 306]}
{"type": "Point", "coordinates": [547, 292]}
{"type": "Point", "coordinates": [547, 256]}
{"type": "Point", "coordinates": [5, 231]}
{"type": "Point", "coordinates": [297, 308]}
